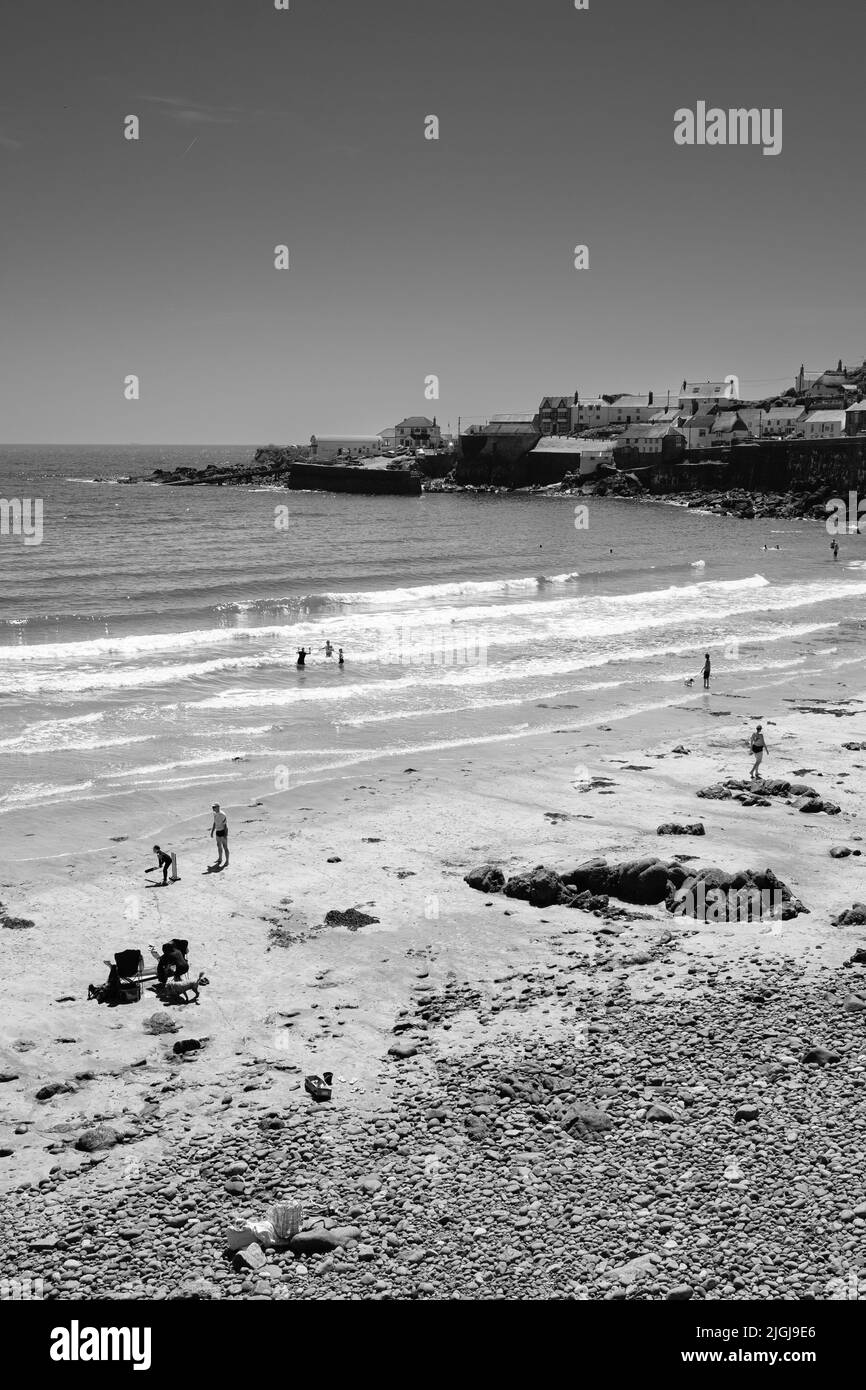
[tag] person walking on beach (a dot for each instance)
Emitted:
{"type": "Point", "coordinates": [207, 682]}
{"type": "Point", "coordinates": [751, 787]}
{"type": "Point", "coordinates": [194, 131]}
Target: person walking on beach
{"type": "Point", "coordinates": [163, 862]}
{"type": "Point", "coordinates": [340, 657]}
{"type": "Point", "coordinates": [302, 655]}
{"type": "Point", "coordinates": [758, 745]}
{"type": "Point", "coordinates": [220, 828]}
{"type": "Point", "coordinates": [834, 546]}
{"type": "Point", "coordinates": [706, 671]}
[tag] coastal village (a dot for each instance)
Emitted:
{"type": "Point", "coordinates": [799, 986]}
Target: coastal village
{"type": "Point", "coordinates": [620, 428]}
{"type": "Point", "coordinates": [704, 444]}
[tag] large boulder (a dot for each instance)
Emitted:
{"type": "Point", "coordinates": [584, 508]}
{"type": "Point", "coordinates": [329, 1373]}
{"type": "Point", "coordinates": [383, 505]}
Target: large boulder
{"type": "Point", "coordinates": [99, 1137]}
{"type": "Point", "coordinates": [641, 881]}
{"type": "Point", "coordinates": [541, 887]}
{"type": "Point", "coordinates": [854, 916]}
{"type": "Point", "coordinates": [487, 878]}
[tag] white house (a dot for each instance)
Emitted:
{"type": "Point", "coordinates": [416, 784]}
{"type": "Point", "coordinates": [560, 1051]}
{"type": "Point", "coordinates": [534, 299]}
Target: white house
{"type": "Point", "coordinates": [776, 421]}
{"type": "Point", "coordinates": [698, 431]}
{"type": "Point", "coordinates": [416, 431]}
{"type": "Point", "coordinates": [332, 448]}
{"type": "Point", "coordinates": [653, 439]}
{"type": "Point", "coordinates": [590, 412]}
{"type": "Point", "coordinates": [632, 410]}
{"type": "Point", "coordinates": [697, 395]}
{"type": "Point", "coordinates": [824, 424]}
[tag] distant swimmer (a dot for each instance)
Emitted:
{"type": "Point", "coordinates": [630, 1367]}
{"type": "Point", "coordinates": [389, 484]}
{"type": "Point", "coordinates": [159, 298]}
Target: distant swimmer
{"type": "Point", "coordinates": [302, 655]}
{"type": "Point", "coordinates": [340, 657]}
{"type": "Point", "coordinates": [706, 671]}
{"type": "Point", "coordinates": [758, 745]}
{"type": "Point", "coordinates": [329, 650]}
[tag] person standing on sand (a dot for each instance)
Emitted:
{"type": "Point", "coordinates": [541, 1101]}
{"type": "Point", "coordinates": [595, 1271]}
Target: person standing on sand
{"type": "Point", "coordinates": [706, 671]}
{"type": "Point", "coordinates": [834, 546]}
{"type": "Point", "coordinates": [340, 657]}
{"type": "Point", "coordinates": [220, 828]}
{"type": "Point", "coordinates": [758, 745]}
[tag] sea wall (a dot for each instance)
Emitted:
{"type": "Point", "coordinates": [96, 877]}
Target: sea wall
{"type": "Point", "coordinates": [796, 465]}
{"type": "Point", "coordinates": [336, 478]}
{"type": "Point", "coordinates": [496, 460]}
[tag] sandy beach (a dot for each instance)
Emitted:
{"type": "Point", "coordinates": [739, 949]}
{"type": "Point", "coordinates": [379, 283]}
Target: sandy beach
{"type": "Point", "coordinates": [289, 995]}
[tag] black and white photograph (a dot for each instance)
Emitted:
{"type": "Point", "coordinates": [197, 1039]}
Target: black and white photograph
{"type": "Point", "coordinates": [432, 700]}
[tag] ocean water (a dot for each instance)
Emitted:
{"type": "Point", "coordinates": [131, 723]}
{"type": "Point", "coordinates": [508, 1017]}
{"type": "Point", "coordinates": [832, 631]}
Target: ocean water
{"type": "Point", "coordinates": [148, 644]}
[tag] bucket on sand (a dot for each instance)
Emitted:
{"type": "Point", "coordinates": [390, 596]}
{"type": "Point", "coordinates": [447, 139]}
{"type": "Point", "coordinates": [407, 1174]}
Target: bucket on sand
{"type": "Point", "coordinates": [285, 1217]}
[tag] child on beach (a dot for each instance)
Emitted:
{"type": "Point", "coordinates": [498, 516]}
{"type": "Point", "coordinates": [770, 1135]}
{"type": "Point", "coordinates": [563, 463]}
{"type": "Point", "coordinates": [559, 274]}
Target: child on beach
{"type": "Point", "coordinates": [163, 862]}
{"type": "Point", "coordinates": [706, 671]}
{"type": "Point", "coordinates": [758, 745]}
{"type": "Point", "coordinates": [220, 828]}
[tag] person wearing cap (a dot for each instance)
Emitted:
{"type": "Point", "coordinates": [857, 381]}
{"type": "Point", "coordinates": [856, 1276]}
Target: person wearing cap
{"type": "Point", "coordinates": [220, 828]}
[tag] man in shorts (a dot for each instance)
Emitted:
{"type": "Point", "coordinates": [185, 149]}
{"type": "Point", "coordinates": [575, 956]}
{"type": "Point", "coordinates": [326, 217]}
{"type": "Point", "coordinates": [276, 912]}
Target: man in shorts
{"type": "Point", "coordinates": [220, 828]}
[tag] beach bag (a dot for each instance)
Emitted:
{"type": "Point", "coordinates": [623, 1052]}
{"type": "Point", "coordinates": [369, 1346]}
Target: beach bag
{"type": "Point", "coordinates": [286, 1220]}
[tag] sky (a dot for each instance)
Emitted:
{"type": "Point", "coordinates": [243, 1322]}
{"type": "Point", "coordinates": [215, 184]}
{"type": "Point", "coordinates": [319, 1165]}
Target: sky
{"type": "Point", "coordinates": [411, 258]}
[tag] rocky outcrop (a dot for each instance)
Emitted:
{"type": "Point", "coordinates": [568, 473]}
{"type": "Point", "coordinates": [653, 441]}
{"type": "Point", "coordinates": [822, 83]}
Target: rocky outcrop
{"type": "Point", "coordinates": [710, 894]}
{"type": "Point", "coordinates": [714, 895]}
{"type": "Point", "coordinates": [759, 792]}
{"type": "Point", "coordinates": [642, 881]}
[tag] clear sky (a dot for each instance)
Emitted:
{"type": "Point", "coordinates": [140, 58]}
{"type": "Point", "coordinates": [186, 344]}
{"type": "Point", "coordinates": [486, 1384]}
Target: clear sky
{"type": "Point", "coordinates": [412, 257]}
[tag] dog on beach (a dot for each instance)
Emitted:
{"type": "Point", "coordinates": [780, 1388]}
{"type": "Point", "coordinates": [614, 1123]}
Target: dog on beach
{"type": "Point", "coordinates": [690, 680]}
{"type": "Point", "coordinates": [177, 991]}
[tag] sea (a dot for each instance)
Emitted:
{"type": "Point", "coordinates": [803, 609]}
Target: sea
{"type": "Point", "coordinates": [149, 641]}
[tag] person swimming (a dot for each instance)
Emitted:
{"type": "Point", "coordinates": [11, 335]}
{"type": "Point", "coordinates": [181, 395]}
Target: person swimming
{"type": "Point", "coordinates": [329, 650]}
{"type": "Point", "coordinates": [340, 657]}
{"type": "Point", "coordinates": [302, 655]}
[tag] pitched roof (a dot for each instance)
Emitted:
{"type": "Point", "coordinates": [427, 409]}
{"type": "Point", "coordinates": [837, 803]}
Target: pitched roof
{"type": "Point", "coordinates": [707, 389]}
{"type": "Point", "coordinates": [521, 417]}
{"type": "Point", "coordinates": [650, 431]}
{"type": "Point", "coordinates": [858, 406]}
{"type": "Point", "coordinates": [821, 417]}
{"type": "Point", "coordinates": [419, 420]}
{"type": "Point", "coordinates": [570, 444]}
